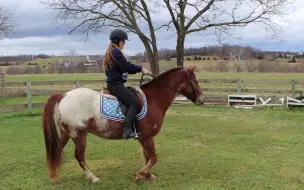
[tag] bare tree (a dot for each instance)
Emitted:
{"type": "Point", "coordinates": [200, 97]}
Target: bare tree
{"type": "Point", "coordinates": [7, 22]}
{"type": "Point", "coordinates": [72, 53]}
{"type": "Point", "coordinates": [89, 16]}
{"type": "Point", "coordinates": [221, 66]}
{"type": "Point", "coordinates": [250, 65]}
{"type": "Point", "coordinates": [238, 54]}
{"type": "Point", "coordinates": [190, 16]}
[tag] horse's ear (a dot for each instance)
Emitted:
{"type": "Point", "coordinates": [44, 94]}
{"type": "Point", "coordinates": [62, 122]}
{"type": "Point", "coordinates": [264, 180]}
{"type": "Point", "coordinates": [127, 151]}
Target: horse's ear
{"type": "Point", "coordinates": [191, 68]}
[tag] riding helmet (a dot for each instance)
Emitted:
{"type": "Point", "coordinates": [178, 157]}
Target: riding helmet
{"type": "Point", "coordinates": [118, 34]}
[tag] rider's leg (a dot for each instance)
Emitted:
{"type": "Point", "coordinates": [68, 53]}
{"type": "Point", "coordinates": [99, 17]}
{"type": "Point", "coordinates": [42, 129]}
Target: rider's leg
{"type": "Point", "coordinates": [128, 98]}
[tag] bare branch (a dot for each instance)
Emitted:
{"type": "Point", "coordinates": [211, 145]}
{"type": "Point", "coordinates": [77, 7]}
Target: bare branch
{"type": "Point", "coordinates": [167, 25]}
{"type": "Point", "coordinates": [207, 7]}
{"type": "Point", "coordinates": [174, 19]}
{"type": "Point", "coordinates": [7, 23]}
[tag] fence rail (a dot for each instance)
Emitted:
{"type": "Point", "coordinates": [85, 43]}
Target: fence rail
{"type": "Point", "coordinates": [26, 90]}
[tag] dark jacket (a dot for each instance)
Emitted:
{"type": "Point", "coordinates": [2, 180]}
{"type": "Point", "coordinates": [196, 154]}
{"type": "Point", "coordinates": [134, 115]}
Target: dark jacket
{"type": "Point", "coordinates": [120, 68]}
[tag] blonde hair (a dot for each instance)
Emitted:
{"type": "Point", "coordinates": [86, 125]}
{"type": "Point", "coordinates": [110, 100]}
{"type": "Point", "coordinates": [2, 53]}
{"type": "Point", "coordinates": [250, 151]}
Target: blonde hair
{"type": "Point", "coordinates": [107, 60]}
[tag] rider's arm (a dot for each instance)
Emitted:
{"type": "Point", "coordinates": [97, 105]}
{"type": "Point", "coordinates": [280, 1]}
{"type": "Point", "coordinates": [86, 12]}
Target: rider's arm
{"type": "Point", "coordinates": [123, 64]}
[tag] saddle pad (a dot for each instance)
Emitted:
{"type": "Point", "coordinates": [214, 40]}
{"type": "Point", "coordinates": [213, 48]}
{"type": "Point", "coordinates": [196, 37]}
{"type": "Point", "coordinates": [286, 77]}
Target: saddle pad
{"type": "Point", "coordinates": [109, 108]}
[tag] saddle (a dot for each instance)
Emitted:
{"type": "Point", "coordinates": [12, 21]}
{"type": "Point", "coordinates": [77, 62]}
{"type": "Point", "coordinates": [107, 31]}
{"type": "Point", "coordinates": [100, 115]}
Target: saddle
{"type": "Point", "coordinates": [123, 107]}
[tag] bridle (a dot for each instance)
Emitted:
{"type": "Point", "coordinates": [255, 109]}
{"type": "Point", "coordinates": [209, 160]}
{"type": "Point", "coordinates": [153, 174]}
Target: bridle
{"type": "Point", "coordinates": [188, 77]}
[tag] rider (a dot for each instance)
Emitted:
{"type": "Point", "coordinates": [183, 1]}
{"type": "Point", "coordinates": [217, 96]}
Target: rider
{"type": "Point", "coordinates": [117, 70]}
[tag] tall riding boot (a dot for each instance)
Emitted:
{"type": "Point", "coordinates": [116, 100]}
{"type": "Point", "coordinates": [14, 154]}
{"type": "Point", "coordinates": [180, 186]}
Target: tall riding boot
{"type": "Point", "coordinates": [130, 118]}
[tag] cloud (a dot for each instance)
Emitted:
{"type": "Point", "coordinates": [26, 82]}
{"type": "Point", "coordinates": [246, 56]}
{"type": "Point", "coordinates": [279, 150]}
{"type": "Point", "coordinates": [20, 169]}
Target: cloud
{"type": "Point", "coordinates": [39, 33]}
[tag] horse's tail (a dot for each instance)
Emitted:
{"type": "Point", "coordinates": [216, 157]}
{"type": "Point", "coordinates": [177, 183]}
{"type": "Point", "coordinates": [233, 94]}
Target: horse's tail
{"type": "Point", "coordinates": [51, 137]}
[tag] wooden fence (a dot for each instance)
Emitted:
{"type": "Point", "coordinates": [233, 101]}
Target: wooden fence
{"type": "Point", "coordinates": [213, 95]}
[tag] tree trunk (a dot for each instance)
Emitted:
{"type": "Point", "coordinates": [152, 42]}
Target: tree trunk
{"type": "Point", "coordinates": [154, 65]}
{"type": "Point", "coordinates": [152, 56]}
{"type": "Point", "coordinates": [180, 51]}
{"type": "Point", "coordinates": [155, 60]}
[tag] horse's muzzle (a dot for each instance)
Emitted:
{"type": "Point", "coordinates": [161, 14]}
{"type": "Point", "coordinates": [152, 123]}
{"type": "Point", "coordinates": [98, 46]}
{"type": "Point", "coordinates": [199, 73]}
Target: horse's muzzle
{"type": "Point", "coordinates": [200, 100]}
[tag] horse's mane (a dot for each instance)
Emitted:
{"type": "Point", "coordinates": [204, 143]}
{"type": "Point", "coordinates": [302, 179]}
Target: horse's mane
{"type": "Point", "coordinates": [153, 81]}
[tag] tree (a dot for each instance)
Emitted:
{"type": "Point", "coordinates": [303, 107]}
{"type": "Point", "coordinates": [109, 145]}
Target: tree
{"type": "Point", "coordinates": [191, 16]}
{"type": "Point", "coordinates": [293, 60]}
{"type": "Point", "coordinates": [91, 16]}
{"type": "Point", "coordinates": [72, 54]}
{"type": "Point", "coordinates": [238, 54]}
{"type": "Point", "coordinates": [7, 23]}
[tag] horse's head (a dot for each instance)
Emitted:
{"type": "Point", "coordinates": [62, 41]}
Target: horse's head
{"type": "Point", "coordinates": [190, 87]}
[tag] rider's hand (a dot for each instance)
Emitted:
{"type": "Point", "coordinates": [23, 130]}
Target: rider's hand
{"type": "Point", "coordinates": [145, 71]}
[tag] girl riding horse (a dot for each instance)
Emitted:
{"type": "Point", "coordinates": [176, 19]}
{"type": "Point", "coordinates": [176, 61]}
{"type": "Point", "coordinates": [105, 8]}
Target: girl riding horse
{"type": "Point", "coordinates": [117, 70]}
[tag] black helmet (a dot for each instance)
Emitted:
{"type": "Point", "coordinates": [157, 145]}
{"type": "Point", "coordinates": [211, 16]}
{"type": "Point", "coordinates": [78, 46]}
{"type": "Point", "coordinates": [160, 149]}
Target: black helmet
{"type": "Point", "coordinates": [119, 35]}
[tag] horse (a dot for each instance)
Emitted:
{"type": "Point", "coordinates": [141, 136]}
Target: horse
{"type": "Point", "coordinates": [78, 113]}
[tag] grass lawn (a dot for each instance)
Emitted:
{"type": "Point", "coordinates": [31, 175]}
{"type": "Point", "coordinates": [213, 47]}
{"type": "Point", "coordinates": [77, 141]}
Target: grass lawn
{"type": "Point", "coordinates": [218, 148]}
{"type": "Point", "coordinates": [22, 100]}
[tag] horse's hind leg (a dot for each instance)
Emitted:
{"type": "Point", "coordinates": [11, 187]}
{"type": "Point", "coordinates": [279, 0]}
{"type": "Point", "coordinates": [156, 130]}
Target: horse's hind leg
{"type": "Point", "coordinates": [64, 138]}
{"type": "Point", "coordinates": [80, 147]}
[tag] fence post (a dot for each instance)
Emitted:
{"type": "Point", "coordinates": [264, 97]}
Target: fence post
{"type": "Point", "coordinates": [77, 84]}
{"type": "Point", "coordinates": [239, 86]}
{"type": "Point", "coordinates": [293, 88]}
{"type": "Point", "coordinates": [2, 83]}
{"type": "Point", "coordinates": [29, 96]}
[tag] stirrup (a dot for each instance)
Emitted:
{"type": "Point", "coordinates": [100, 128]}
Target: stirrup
{"type": "Point", "coordinates": [136, 134]}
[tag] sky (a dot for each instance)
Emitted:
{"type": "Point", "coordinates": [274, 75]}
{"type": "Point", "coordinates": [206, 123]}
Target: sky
{"type": "Point", "coordinates": [38, 32]}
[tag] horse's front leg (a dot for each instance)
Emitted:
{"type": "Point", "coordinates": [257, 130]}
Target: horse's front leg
{"type": "Point", "coordinates": [146, 157]}
{"type": "Point", "coordinates": [150, 159]}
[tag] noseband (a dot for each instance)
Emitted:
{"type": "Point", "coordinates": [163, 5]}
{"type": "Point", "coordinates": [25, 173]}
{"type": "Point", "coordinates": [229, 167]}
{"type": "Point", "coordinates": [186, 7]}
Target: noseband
{"type": "Point", "coordinates": [193, 90]}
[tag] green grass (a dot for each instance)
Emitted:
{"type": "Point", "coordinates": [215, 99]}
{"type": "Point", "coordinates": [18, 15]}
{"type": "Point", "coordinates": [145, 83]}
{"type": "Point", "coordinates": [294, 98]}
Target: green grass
{"type": "Point", "coordinates": [218, 148]}
{"type": "Point", "coordinates": [22, 100]}
{"type": "Point", "coordinates": [55, 77]}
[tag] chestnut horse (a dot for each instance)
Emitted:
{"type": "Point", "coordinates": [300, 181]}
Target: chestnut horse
{"type": "Point", "coordinates": [77, 113]}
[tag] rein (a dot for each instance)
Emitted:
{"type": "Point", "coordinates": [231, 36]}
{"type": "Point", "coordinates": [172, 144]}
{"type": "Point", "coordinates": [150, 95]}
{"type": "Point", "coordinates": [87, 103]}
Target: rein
{"type": "Point", "coordinates": [168, 85]}
{"type": "Point", "coordinates": [159, 82]}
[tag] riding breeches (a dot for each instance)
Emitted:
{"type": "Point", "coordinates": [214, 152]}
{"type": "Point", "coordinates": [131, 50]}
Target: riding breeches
{"type": "Point", "coordinates": [123, 94]}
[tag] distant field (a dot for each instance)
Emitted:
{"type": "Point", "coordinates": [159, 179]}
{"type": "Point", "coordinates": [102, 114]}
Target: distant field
{"type": "Point", "coordinates": [52, 60]}
{"type": "Point", "coordinates": [43, 62]}
{"type": "Point", "coordinates": [201, 64]}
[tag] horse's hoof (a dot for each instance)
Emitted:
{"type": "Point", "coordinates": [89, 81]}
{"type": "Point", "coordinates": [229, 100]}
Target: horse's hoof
{"type": "Point", "coordinates": [142, 176]}
{"type": "Point", "coordinates": [139, 176]}
{"type": "Point", "coordinates": [152, 177]}
{"type": "Point", "coordinates": [96, 180]}
{"type": "Point", "coordinates": [56, 181]}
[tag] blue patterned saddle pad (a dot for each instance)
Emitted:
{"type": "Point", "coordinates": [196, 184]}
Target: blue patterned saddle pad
{"type": "Point", "coordinates": [110, 109]}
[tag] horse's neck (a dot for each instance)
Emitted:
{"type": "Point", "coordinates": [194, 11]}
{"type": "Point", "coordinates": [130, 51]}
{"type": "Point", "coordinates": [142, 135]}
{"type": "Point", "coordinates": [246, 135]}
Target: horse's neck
{"type": "Point", "coordinates": [161, 95]}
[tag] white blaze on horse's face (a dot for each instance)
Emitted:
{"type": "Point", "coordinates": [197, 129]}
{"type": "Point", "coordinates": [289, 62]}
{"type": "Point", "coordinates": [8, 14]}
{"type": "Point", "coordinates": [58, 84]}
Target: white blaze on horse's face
{"type": "Point", "coordinates": [75, 109]}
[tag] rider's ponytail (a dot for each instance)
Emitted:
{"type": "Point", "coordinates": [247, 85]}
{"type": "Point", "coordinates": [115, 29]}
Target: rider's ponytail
{"type": "Point", "coordinates": [108, 57]}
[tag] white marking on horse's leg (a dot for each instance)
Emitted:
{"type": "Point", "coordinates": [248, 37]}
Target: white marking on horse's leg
{"type": "Point", "coordinates": [145, 172]}
{"type": "Point", "coordinates": [90, 175]}
{"type": "Point", "coordinates": [146, 168]}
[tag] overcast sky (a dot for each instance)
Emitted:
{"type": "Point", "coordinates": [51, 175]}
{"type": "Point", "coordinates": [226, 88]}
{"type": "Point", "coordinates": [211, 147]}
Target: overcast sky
{"type": "Point", "coordinates": [38, 33]}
